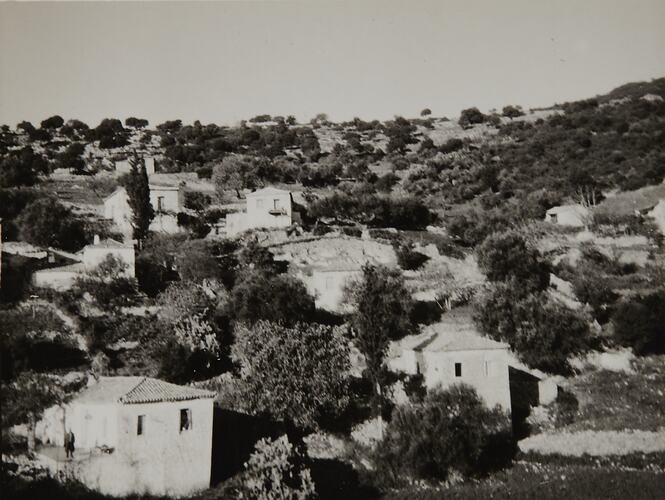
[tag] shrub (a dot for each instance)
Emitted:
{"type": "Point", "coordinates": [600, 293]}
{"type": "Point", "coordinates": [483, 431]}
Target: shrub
{"type": "Point", "coordinates": [471, 116]}
{"type": "Point", "coordinates": [46, 222]}
{"type": "Point", "coordinates": [281, 299]}
{"type": "Point", "coordinates": [506, 256]}
{"type": "Point", "coordinates": [275, 470]}
{"type": "Point", "coordinates": [409, 259]}
{"type": "Point", "coordinates": [640, 323]}
{"type": "Point", "coordinates": [450, 430]}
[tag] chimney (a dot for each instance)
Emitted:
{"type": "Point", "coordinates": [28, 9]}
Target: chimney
{"type": "Point", "coordinates": [96, 240]}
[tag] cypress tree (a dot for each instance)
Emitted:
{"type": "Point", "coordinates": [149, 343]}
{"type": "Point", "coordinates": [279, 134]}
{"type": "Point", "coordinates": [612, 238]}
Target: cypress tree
{"type": "Point", "coordinates": [138, 192]}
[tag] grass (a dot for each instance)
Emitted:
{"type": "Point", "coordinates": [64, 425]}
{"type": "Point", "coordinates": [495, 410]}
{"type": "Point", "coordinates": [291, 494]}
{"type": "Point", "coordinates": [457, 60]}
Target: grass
{"type": "Point", "coordinates": [527, 481]}
{"type": "Point", "coordinates": [617, 401]}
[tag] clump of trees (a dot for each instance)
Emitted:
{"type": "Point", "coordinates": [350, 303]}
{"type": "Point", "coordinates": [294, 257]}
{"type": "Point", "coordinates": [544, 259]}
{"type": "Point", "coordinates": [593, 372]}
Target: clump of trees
{"type": "Point", "coordinates": [280, 298]}
{"type": "Point", "coordinates": [47, 223]}
{"type": "Point", "coordinates": [517, 309]}
{"type": "Point", "coordinates": [471, 116]}
{"type": "Point", "coordinates": [382, 309]}
{"type": "Point", "coordinates": [298, 374]}
{"type": "Point", "coordinates": [449, 430]}
{"type": "Point", "coordinates": [511, 111]}
{"type": "Point", "coordinates": [22, 168]}
{"type": "Point", "coordinates": [374, 210]}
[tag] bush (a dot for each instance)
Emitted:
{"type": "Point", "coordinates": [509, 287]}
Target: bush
{"type": "Point", "coordinates": [281, 299]}
{"type": "Point", "coordinates": [471, 116]}
{"type": "Point", "coordinates": [276, 470]}
{"type": "Point", "coordinates": [409, 259]}
{"type": "Point", "coordinates": [506, 256]}
{"type": "Point", "coordinates": [46, 222]}
{"type": "Point", "coordinates": [450, 430]}
{"type": "Point", "coordinates": [640, 323]}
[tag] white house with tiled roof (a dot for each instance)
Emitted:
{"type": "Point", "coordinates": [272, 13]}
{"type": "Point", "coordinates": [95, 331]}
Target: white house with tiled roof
{"type": "Point", "coordinates": [134, 435]}
{"type": "Point", "coordinates": [267, 208]}
{"type": "Point", "coordinates": [453, 351]}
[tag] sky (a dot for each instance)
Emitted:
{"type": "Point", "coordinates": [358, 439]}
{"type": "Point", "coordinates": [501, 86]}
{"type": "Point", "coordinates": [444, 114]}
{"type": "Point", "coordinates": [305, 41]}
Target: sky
{"type": "Point", "coordinates": [226, 61]}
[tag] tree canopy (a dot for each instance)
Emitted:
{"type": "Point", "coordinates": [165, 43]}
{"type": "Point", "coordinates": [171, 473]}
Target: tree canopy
{"type": "Point", "coordinates": [298, 374]}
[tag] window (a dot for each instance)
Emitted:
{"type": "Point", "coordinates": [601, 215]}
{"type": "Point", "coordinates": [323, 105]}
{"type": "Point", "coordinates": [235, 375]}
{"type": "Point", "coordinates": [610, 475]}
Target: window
{"type": "Point", "coordinates": [160, 203]}
{"type": "Point", "coordinates": [185, 419]}
{"type": "Point", "coordinates": [554, 218]}
{"type": "Point", "coordinates": [276, 204]}
{"type": "Point", "coordinates": [487, 368]}
{"type": "Point", "coordinates": [417, 368]}
{"type": "Point", "coordinates": [140, 425]}
{"type": "Point", "coordinates": [458, 369]}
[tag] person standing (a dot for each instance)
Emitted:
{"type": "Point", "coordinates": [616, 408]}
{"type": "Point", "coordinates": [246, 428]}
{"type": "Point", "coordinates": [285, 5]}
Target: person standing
{"type": "Point", "coordinates": [69, 444]}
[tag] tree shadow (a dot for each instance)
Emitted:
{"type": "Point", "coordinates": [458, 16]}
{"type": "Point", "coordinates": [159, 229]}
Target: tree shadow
{"type": "Point", "coordinates": [335, 479]}
{"type": "Point", "coordinates": [234, 436]}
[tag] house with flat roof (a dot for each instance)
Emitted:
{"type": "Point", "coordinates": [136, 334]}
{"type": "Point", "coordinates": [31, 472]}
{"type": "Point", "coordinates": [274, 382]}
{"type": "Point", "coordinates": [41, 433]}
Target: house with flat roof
{"type": "Point", "coordinates": [133, 436]}
{"type": "Point", "coordinates": [453, 351]}
{"type": "Point", "coordinates": [267, 208]}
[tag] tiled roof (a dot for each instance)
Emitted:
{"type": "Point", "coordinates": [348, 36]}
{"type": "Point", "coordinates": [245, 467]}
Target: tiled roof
{"type": "Point", "coordinates": [109, 243]}
{"type": "Point", "coordinates": [267, 191]}
{"type": "Point", "coordinates": [157, 187]}
{"type": "Point", "coordinates": [455, 332]}
{"type": "Point", "coordinates": [135, 390]}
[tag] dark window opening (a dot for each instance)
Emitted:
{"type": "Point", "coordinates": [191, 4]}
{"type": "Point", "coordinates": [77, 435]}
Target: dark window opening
{"type": "Point", "coordinates": [140, 425]}
{"type": "Point", "coordinates": [185, 419]}
{"type": "Point", "coordinates": [458, 369]}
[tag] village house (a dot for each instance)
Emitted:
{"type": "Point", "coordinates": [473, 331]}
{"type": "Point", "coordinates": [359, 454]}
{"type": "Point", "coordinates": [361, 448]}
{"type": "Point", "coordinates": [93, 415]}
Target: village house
{"type": "Point", "coordinates": [166, 201]}
{"type": "Point", "coordinates": [124, 166]}
{"type": "Point", "coordinates": [452, 352]}
{"type": "Point", "coordinates": [569, 215]}
{"type": "Point", "coordinates": [133, 436]}
{"type": "Point", "coordinates": [267, 208]}
{"type": "Point", "coordinates": [63, 267]}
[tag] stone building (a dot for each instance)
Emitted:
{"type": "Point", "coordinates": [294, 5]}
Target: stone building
{"type": "Point", "coordinates": [133, 436]}
{"type": "Point", "coordinates": [166, 201]}
{"type": "Point", "coordinates": [267, 208]}
{"type": "Point", "coordinates": [453, 351]}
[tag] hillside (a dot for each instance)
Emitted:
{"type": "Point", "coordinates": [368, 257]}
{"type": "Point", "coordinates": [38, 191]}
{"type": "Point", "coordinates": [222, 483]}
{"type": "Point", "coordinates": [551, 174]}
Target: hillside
{"type": "Point", "coordinates": [403, 227]}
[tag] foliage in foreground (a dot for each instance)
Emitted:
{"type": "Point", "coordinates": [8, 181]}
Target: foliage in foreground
{"type": "Point", "coordinates": [275, 470]}
{"type": "Point", "coordinates": [449, 430]}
